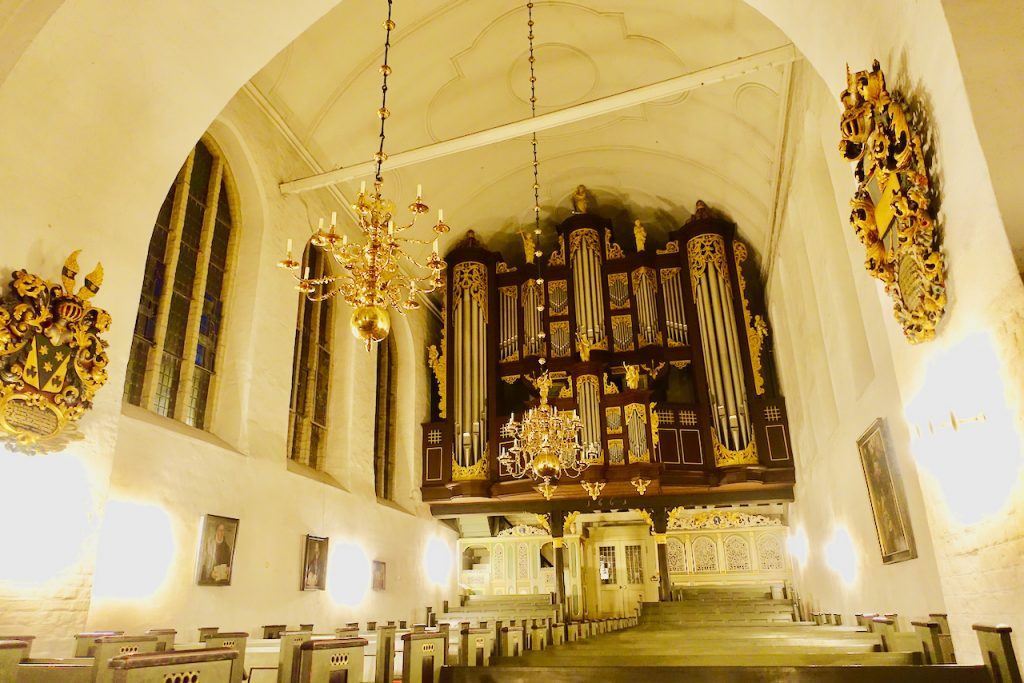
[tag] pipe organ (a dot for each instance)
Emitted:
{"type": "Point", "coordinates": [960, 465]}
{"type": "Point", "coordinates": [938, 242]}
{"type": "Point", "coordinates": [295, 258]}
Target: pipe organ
{"type": "Point", "coordinates": [663, 351]}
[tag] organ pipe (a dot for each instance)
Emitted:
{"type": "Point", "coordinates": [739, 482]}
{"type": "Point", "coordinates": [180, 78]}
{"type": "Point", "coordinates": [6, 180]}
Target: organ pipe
{"type": "Point", "coordinates": [469, 340]}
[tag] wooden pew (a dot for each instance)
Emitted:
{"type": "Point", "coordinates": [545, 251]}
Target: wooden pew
{"type": "Point", "coordinates": [328, 661]}
{"type": "Point", "coordinates": [273, 631]}
{"type": "Point", "coordinates": [287, 660]}
{"type": "Point", "coordinates": [207, 631]}
{"type": "Point", "coordinates": [236, 641]}
{"type": "Point", "coordinates": [475, 646]}
{"type": "Point", "coordinates": [213, 665]}
{"type": "Point", "coordinates": [164, 638]}
{"type": "Point", "coordinates": [511, 641]}
{"type": "Point", "coordinates": [92, 669]}
{"type": "Point", "coordinates": [28, 640]}
{"type": "Point", "coordinates": [945, 637]}
{"type": "Point", "coordinates": [86, 642]}
{"type": "Point", "coordinates": [108, 647]}
{"type": "Point", "coordinates": [11, 654]}
{"type": "Point", "coordinates": [718, 674]}
{"type": "Point", "coordinates": [385, 664]}
{"type": "Point", "coordinates": [997, 652]}
{"type": "Point", "coordinates": [423, 657]}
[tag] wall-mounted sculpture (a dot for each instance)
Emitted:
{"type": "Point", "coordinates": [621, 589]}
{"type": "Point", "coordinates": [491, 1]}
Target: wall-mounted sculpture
{"type": "Point", "coordinates": [52, 359]}
{"type": "Point", "coordinates": [890, 211]}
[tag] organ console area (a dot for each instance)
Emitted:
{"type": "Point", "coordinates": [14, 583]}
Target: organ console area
{"type": "Point", "coordinates": [663, 349]}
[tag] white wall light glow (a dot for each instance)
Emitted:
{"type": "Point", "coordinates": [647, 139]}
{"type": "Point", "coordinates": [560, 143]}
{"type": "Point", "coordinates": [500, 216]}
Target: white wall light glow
{"type": "Point", "coordinates": [841, 555]}
{"type": "Point", "coordinates": [135, 551]}
{"type": "Point", "coordinates": [798, 546]}
{"type": "Point", "coordinates": [437, 561]}
{"type": "Point", "coordinates": [348, 574]}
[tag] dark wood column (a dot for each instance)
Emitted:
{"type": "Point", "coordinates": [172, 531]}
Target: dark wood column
{"type": "Point", "coordinates": [660, 518]}
{"type": "Point", "coordinates": [558, 541]}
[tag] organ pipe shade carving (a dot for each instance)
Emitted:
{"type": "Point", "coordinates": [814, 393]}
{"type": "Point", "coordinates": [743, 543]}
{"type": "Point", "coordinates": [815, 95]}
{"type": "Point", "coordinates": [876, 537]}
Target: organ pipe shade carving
{"type": "Point", "coordinates": [533, 330]}
{"type": "Point", "coordinates": [589, 396]}
{"type": "Point", "coordinates": [709, 277]}
{"type": "Point", "coordinates": [469, 405]}
{"type": "Point", "coordinates": [645, 291]}
{"type": "Point", "coordinates": [585, 256]}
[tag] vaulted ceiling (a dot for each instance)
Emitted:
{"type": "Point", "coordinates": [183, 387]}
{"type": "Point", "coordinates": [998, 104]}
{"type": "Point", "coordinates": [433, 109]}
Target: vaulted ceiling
{"type": "Point", "coordinates": [460, 67]}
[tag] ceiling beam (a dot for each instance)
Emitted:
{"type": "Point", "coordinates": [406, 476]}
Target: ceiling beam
{"type": "Point", "coordinates": [778, 56]}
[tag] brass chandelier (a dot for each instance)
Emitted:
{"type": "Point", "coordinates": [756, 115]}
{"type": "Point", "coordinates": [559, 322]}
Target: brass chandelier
{"type": "Point", "coordinates": [375, 273]}
{"type": "Point", "coordinates": [546, 442]}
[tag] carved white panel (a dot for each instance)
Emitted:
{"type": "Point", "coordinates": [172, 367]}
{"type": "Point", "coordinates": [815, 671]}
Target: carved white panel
{"type": "Point", "coordinates": [705, 554]}
{"type": "Point", "coordinates": [676, 555]}
{"type": "Point", "coordinates": [737, 554]}
{"type": "Point", "coordinates": [769, 553]}
{"type": "Point", "coordinates": [498, 561]}
{"type": "Point", "coordinates": [522, 561]}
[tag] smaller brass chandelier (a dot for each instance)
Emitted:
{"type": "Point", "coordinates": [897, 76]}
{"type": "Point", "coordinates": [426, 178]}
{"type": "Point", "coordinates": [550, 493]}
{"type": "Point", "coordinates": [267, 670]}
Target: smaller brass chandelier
{"type": "Point", "coordinates": [546, 444]}
{"type": "Point", "coordinates": [375, 274]}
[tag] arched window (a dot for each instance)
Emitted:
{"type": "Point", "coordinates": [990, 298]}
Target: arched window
{"type": "Point", "coordinates": [176, 342]}
{"type": "Point", "coordinates": [311, 370]}
{"type": "Point", "coordinates": [384, 431]}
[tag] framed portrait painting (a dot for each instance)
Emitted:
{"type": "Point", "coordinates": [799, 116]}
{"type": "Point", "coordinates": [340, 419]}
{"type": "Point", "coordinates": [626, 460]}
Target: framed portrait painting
{"type": "Point", "coordinates": [379, 574]}
{"type": "Point", "coordinates": [314, 564]}
{"type": "Point", "coordinates": [217, 543]}
{"type": "Point", "coordinates": [886, 493]}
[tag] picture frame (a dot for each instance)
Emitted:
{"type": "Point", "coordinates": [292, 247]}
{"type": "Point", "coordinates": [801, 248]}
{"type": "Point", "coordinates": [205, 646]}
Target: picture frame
{"type": "Point", "coordinates": [314, 563]}
{"type": "Point", "coordinates": [886, 495]}
{"type": "Point", "coordinates": [215, 557]}
{"type": "Point", "coordinates": [379, 575]}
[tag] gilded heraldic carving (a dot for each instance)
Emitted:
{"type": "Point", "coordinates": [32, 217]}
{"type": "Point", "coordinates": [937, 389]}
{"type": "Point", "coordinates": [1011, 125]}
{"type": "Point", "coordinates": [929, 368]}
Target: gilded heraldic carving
{"type": "Point", "coordinates": [890, 211]}
{"type": "Point", "coordinates": [52, 359]}
{"type": "Point", "coordinates": [471, 277]}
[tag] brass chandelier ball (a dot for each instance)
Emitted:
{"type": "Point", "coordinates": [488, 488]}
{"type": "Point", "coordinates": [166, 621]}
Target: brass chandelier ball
{"type": "Point", "coordinates": [546, 465]}
{"type": "Point", "coordinates": [370, 324]}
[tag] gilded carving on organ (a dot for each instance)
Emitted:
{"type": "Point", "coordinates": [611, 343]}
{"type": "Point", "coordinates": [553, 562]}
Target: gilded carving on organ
{"type": "Point", "coordinates": [52, 359]}
{"type": "Point", "coordinates": [704, 250]}
{"type": "Point", "coordinates": [640, 235]}
{"type": "Point", "coordinates": [470, 277]}
{"type": "Point", "coordinates": [580, 200]}
{"type": "Point", "coordinates": [757, 328]}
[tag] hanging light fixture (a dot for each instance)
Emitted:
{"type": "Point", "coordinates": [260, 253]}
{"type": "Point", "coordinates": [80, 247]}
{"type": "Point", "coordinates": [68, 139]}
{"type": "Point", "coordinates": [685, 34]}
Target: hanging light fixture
{"type": "Point", "coordinates": [546, 442]}
{"type": "Point", "coordinates": [375, 272]}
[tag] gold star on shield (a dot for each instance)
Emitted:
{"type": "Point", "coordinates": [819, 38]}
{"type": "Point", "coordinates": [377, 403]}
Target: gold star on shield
{"type": "Point", "coordinates": [48, 366]}
{"type": "Point", "coordinates": [59, 356]}
{"type": "Point", "coordinates": [43, 349]}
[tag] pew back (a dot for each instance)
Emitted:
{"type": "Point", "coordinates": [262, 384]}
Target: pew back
{"type": "Point", "coordinates": [108, 647]}
{"type": "Point", "coordinates": [235, 640]}
{"type": "Point", "coordinates": [288, 659]}
{"type": "Point", "coordinates": [997, 653]}
{"type": "Point", "coordinates": [385, 665]}
{"type": "Point", "coordinates": [423, 656]}
{"type": "Point", "coordinates": [212, 665]}
{"type": "Point", "coordinates": [11, 653]}
{"type": "Point", "coordinates": [475, 646]}
{"type": "Point", "coordinates": [337, 660]}
{"type": "Point", "coordinates": [85, 643]}
{"type": "Point", "coordinates": [164, 638]}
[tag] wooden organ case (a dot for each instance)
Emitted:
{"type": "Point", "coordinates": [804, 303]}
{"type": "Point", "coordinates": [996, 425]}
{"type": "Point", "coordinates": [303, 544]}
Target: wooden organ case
{"type": "Point", "coordinates": [664, 352]}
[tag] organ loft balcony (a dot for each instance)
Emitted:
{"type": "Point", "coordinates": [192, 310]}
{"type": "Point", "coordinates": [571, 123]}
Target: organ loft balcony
{"type": "Point", "coordinates": [664, 350]}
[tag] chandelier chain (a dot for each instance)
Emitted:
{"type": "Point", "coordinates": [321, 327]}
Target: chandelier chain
{"type": "Point", "coordinates": [533, 114]}
{"type": "Point", "coordinates": [383, 112]}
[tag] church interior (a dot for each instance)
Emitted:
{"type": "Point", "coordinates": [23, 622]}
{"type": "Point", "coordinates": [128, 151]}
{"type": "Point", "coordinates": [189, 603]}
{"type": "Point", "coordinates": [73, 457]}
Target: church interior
{"type": "Point", "coordinates": [480, 340]}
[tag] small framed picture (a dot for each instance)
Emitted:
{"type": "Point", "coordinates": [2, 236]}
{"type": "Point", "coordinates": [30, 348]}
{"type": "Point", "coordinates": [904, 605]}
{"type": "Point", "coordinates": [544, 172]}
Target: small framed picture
{"type": "Point", "coordinates": [216, 550]}
{"type": "Point", "coordinates": [379, 574]}
{"type": "Point", "coordinates": [886, 494]}
{"type": "Point", "coordinates": [314, 564]}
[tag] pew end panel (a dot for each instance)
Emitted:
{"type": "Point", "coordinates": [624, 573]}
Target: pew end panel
{"type": "Point", "coordinates": [337, 660]}
{"type": "Point", "coordinates": [997, 652]}
{"type": "Point", "coordinates": [11, 654]}
{"type": "Point", "coordinates": [423, 657]}
{"type": "Point", "coordinates": [212, 665]}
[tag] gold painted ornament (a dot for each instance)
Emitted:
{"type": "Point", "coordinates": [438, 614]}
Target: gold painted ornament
{"type": "Point", "coordinates": [890, 210]}
{"type": "Point", "coordinates": [370, 324]}
{"type": "Point", "coordinates": [52, 359]}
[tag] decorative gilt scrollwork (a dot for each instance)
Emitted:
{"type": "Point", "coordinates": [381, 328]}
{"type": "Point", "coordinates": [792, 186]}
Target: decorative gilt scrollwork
{"type": "Point", "coordinates": [439, 365]}
{"type": "Point", "coordinates": [612, 250]}
{"type": "Point", "coordinates": [654, 426]}
{"type": "Point", "coordinates": [586, 380]}
{"type": "Point", "coordinates": [52, 359]}
{"type": "Point", "coordinates": [503, 268]}
{"type": "Point", "coordinates": [544, 522]}
{"type": "Point", "coordinates": [510, 379]}
{"type": "Point", "coordinates": [609, 386]}
{"type": "Point", "coordinates": [670, 248]}
{"type": "Point", "coordinates": [705, 249]}
{"type": "Point", "coordinates": [475, 472]}
{"type": "Point", "coordinates": [727, 458]}
{"type": "Point", "coordinates": [557, 257]}
{"type": "Point", "coordinates": [470, 277]}
{"type": "Point", "coordinates": [890, 210]}
{"type": "Point", "coordinates": [757, 328]}
{"type": "Point", "coordinates": [584, 237]}
{"type": "Point", "coordinates": [569, 525]}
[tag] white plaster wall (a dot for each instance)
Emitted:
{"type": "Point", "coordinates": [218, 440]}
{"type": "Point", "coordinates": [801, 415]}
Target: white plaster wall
{"type": "Point", "coordinates": [973, 366]}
